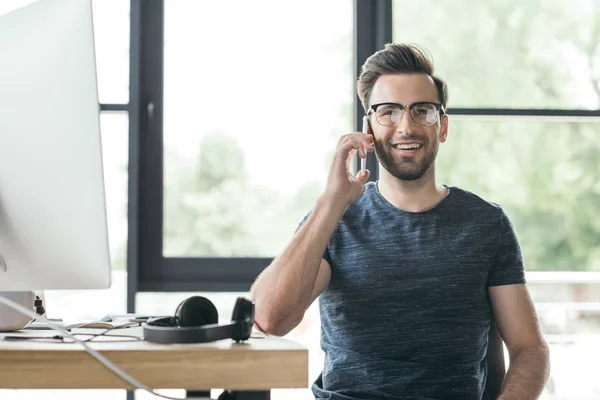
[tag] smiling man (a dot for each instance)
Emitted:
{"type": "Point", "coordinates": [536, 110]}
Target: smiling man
{"type": "Point", "coordinates": [409, 272]}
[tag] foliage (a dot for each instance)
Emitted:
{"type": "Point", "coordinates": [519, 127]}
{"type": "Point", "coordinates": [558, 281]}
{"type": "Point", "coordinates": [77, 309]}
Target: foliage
{"type": "Point", "coordinates": [501, 53]}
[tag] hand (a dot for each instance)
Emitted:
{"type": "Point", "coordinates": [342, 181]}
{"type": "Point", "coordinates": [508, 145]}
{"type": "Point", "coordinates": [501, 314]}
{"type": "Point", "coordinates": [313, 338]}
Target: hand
{"type": "Point", "coordinates": [342, 187]}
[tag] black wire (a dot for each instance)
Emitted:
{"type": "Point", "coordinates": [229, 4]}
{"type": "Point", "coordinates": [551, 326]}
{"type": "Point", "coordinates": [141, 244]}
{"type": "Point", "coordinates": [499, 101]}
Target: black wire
{"type": "Point", "coordinates": [124, 326]}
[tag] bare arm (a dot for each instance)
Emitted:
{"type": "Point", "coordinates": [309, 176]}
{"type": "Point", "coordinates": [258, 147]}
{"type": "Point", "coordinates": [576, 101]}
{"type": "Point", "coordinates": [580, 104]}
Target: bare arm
{"type": "Point", "coordinates": [286, 288]}
{"type": "Point", "coordinates": [519, 327]}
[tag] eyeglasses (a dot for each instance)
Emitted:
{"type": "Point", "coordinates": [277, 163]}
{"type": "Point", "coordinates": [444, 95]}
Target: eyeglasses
{"type": "Point", "coordinates": [423, 113]}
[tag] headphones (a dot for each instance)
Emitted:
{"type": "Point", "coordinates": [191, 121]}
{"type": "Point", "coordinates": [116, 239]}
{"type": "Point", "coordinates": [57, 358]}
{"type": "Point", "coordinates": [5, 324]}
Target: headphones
{"type": "Point", "coordinates": [196, 321]}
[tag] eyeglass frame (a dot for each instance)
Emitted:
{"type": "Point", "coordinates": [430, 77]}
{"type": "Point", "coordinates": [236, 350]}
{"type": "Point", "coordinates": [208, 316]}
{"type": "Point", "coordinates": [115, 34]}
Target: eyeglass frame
{"type": "Point", "coordinates": [439, 109]}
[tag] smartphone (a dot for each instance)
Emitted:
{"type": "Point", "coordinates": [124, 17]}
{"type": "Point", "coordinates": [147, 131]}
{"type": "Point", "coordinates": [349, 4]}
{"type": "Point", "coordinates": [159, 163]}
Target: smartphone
{"type": "Point", "coordinates": [365, 130]}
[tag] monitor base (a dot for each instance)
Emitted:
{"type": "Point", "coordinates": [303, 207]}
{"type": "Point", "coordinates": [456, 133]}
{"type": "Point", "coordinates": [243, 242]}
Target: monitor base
{"type": "Point", "coordinates": [11, 319]}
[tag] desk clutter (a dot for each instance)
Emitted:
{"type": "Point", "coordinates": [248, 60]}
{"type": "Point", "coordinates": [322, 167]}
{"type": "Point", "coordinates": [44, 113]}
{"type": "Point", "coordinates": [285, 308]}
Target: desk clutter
{"type": "Point", "coordinates": [195, 321]}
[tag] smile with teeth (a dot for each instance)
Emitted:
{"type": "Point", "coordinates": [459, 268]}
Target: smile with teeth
{"type": "Point", "coordinates": [410, 146]}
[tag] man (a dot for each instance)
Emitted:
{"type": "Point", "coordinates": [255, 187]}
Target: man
{"type": "Point", "coordinates": [409, 271]}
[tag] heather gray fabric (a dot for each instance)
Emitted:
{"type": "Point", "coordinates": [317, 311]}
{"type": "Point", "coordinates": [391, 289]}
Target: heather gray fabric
{"type": "Point", "coordinates": [406, 314]}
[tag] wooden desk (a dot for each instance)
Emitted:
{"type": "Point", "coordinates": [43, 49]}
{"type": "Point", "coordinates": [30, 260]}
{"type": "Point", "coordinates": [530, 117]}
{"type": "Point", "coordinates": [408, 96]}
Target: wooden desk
{"type": "Point", "coordinates": [259, 364]}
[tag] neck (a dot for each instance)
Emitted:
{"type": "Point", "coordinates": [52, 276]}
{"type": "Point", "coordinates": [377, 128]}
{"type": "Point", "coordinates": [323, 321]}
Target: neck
{"type": "Point", "coordinates": [413, 196]}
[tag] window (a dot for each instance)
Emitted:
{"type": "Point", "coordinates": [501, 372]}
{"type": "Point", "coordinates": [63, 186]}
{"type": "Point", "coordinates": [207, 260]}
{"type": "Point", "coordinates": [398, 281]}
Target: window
{"type": "Point", "coordinates": [254, 106]}
{"type": "Point", "coordinates": [74, 305]}
{"type": "Point", "coordinates": [241, 151]}
{"type": "Point", "coordinates": [544, 174]}
{"type": "Point", "coordinates": [111, 25]}
{"type": "Point", "coordinates": [523, 98]}
{"type": "Point", "coordinates": [508, 54]}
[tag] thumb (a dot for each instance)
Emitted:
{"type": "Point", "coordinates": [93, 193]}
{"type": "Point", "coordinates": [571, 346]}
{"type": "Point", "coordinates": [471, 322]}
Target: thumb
{"type": "Point", "coordinates": [362, 178]}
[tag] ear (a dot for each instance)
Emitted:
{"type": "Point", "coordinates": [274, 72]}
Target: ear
{"type": "Point", "coordinates": [370, 128]}
{"type": "Point", "coordinates": [444, 129]}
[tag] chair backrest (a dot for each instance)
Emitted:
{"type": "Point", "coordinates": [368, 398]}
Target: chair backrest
{"type": "Point", "coordinates": [495, 363]}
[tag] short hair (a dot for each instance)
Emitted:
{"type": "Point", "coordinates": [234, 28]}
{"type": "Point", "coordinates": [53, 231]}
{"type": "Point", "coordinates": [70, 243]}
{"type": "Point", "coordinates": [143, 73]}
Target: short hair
{"type": "Point", "coordinates": [397, 58]}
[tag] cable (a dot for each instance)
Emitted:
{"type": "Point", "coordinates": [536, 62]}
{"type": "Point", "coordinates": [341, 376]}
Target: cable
{"type": "Point", "coordinates": [103, 360]}
{"type": "Point", "coordinates": [104, 335]}
{"type": "Point", "coordinates": [59, 339]}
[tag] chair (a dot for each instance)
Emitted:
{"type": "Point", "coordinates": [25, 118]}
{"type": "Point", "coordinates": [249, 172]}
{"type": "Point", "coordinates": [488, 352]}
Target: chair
{"type": "Point", "coordinates": [495, 363]}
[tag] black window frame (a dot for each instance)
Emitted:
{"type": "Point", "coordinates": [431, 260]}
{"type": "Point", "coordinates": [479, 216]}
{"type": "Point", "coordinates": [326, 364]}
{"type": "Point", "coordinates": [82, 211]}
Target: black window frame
{"type": "Point", "coordinates": [148, 269]}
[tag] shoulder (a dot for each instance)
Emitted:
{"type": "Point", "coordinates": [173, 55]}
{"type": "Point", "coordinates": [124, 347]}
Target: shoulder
{"type": "Point", "coordinates": [472, 208]}
{"type": "Point", "coordinates": [465, 200]}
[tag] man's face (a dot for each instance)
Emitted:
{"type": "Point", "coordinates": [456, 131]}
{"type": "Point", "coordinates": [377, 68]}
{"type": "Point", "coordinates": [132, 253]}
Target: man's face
{"type": "Point", "coordinates": [407, 164]}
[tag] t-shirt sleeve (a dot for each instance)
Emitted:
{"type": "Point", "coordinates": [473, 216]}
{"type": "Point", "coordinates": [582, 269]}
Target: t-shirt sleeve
{"type": "Point", "coordinates": [507, 267]}
{"type": "Point", "coordinates": [326, 255]}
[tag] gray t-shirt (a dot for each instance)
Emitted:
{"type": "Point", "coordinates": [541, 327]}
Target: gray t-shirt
{"type": "Point", "coordinates": [406, 314]}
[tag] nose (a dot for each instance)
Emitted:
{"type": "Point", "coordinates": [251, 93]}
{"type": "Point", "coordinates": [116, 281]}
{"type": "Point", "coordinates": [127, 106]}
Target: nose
{"type": "Point", "coordinates": [405, 124]}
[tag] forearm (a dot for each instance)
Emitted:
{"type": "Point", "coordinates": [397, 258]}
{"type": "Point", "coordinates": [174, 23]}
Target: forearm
{"type": "Point", "coordinates": [527, 374]}
{"type": "Point", "coordinates": [282, 292]}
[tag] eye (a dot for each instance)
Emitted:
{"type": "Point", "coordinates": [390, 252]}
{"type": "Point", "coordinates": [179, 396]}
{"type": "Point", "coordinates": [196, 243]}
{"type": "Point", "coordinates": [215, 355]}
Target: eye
{"type": "Point", "coordinates": [386, 110]}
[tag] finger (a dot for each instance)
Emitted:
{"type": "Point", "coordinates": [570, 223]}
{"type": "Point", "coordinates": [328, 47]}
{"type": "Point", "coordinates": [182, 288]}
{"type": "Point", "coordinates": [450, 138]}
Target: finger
{"type": "Point", "coordinates": [348, 146]}
{"type": "Point", "coordinates": [361, 151]}
{"type": "Point", "coordinates": [350, 155]}
{"type": "Point", "coordinates": [342, 139]}
{"type": "Point", "coordinates": [363, 177]}
{"type": "Point", "coordinates": [352, 136]}
{"type": "Point", "coordinates": [365, 140]}
{"type": "Point", "coordinates": [362, 147]}
{"type": "Point", "coordinates": [355, 141]}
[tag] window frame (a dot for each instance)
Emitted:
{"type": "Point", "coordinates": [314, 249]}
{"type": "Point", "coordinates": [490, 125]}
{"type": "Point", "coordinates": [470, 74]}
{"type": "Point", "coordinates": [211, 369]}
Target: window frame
{"type": "Point", "coordinates": [148, 269]}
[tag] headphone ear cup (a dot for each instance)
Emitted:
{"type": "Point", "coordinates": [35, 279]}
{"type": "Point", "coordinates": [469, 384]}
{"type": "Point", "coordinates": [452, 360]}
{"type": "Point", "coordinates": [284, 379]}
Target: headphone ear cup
{"type": "Point", "coordinates": [243, 309]}
{"type": "Point", "coordinates": [243, 314]}
{"type": "Point", "coordinates": [196, 311]}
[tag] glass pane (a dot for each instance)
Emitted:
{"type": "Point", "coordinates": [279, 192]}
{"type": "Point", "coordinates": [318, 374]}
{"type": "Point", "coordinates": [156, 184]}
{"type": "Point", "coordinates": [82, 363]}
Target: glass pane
{"type": "Point", "coordinates": [546, 175]}
{"type": "Point", "coordinates": [251, 119]}
{"type": "Point", "coordinates": [91, 304]}
{"type": "Point", "coordinates": [80, 305]}
{"type": "Point", "coordinates": [115, 147]}
{"type": "Point", "coordinates": [568, 306]}
{"type": "Point", "coordinates": [111, 29]}
{"type": "Point", "coordinates": [508, 53]}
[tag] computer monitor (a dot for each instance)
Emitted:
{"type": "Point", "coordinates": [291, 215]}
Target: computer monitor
{"type": "Point", "coordinates": [53, 227]}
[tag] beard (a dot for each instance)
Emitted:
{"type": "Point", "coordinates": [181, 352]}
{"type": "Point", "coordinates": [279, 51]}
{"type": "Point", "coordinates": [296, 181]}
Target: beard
{"type": "Point", "coordinates": [406, 168]}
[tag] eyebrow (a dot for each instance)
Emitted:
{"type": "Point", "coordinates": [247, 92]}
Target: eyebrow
{"type": "Point", "coordinates": [414, 102]}
{"type": "Point", "coordinates": [389, 103]}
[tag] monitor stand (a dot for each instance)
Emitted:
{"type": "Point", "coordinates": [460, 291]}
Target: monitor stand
{"type": "Point", "coordinates": [11, 319]}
